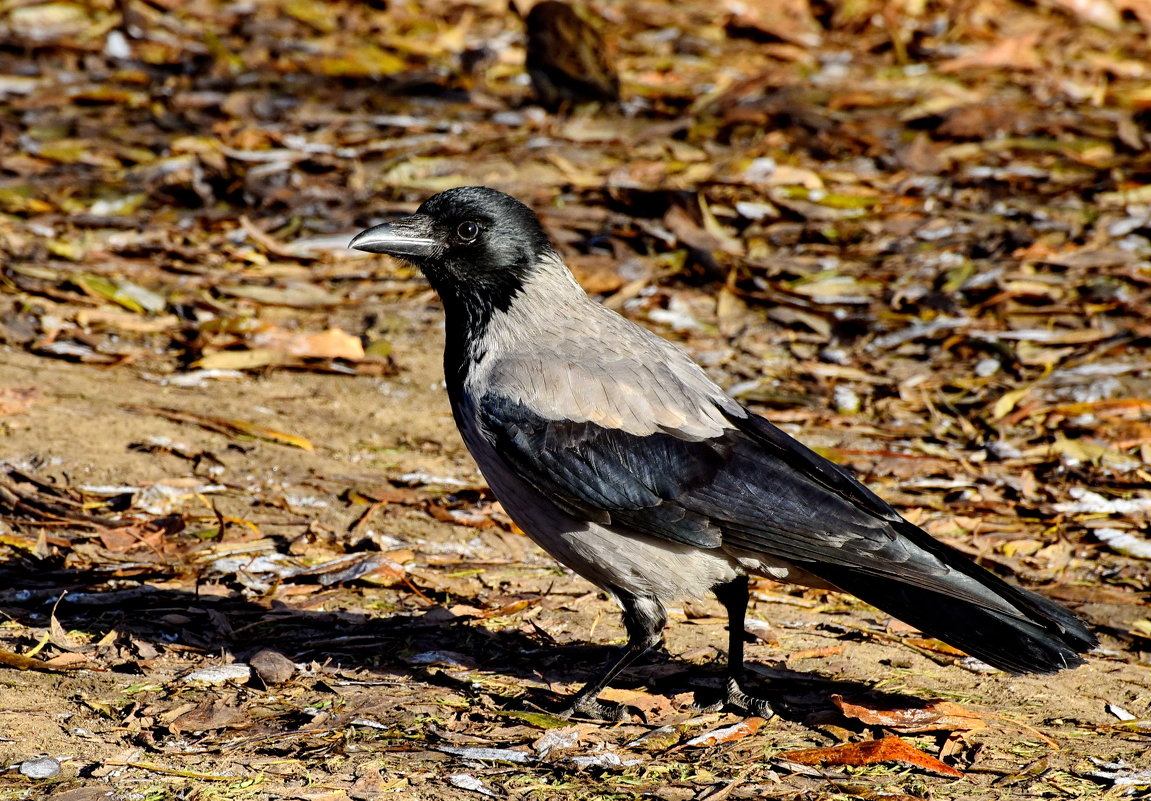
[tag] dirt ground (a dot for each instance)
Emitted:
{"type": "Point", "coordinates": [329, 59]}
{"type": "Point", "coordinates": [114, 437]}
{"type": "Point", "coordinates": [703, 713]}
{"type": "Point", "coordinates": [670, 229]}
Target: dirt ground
{"type": "Point", "coordinates": [482, 639]}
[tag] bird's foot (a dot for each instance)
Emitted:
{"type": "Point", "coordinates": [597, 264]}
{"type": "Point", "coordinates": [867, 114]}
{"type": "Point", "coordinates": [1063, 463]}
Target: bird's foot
{"type": "Point", "coordinates": [587, 706]}
{"type": "Point", "coordinates": [735, 699]}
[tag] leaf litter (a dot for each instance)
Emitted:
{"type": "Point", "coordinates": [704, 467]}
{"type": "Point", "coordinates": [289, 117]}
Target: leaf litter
{"type": "Point", "coordinates": [916, 236]}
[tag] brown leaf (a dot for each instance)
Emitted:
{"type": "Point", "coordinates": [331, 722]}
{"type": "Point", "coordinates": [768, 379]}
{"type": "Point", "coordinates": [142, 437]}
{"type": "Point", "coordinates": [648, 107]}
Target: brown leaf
{"type": "Point", "coordinates": [21, 662]}
{"type": "Point", "coordinates": [14, 400]}
{"type": "Point", "coordinates": [790, 20]}
{"type": "Point", "coordinates": [1103, 13]}
{"type": "Point", "coordinates": [68, 662]}
{"type": "Point", "coordinates": [727, 734]}
{"type": "Point", "coordinates": [933, 716]}
{"type": "Point", "coordinates": [653, 706]}
{"type": "Point", "coordinates": [932, 644]}
{"type": "Point", "coordinates": [385, 494]}
{"type": "Point", "coordinates": [1016, 52]}
{"type": "Point", "coordinates": [272, 666]}
{"type": "Point", "coordinates": [818, 653]}
{"type": "Point", "coordinates": [596, 273]}
{"type": "Point", "coordinates": [330, 344]}
{"type": "Point", "coordinates": [211, 715]}
{"type": "Point", "coordinates": [567, 58]}
{"type": "Point", "coordinates": [889, 749]}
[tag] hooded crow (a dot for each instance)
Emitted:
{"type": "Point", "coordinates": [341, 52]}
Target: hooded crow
{"type": "Point", "coordinates": [617, 454]}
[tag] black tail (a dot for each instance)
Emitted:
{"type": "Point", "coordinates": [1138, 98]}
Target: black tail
{"type": "Point", "coordinates": [1044, 638]}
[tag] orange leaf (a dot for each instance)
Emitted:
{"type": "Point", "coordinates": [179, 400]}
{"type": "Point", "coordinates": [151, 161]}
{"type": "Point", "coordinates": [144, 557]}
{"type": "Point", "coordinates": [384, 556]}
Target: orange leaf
{"type": "Point", "coordinates": [932, 644]}
{"type": "Point", "coordinates": [330, 344]}
{"type": "Point", "coordinates": [817, 653]}
{"type": "Point", "coordinates": [889, 749]}
{"type": "Point", "coordinates": [14, 400]}
{"type": "Point", "coordinates": [934, 716]}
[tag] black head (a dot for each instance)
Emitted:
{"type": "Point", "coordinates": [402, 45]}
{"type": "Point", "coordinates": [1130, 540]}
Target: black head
{"type": "Point", "coordinates": [476, 245]}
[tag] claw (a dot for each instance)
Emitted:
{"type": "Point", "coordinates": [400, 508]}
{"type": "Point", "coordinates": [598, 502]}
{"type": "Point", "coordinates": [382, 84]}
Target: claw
{"type": "Point", "coordinates": [735, 699]}
{"type": "Point", "coordinates": [595, 709]}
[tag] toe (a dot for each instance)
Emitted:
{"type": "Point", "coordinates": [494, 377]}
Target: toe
{"type": "Point", "coordinates": [594, 709]}
{"type": "Point", "coordinates": [743, 702]}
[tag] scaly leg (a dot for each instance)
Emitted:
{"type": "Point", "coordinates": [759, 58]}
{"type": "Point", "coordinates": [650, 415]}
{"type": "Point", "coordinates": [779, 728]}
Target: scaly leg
{"type": "Point", "coordinates": [734, 595]}
{"type": "Point", "coordinates": [644, 618]}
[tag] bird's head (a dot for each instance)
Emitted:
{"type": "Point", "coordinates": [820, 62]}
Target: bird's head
{"type": "Point", "coordinates": [472, 242]}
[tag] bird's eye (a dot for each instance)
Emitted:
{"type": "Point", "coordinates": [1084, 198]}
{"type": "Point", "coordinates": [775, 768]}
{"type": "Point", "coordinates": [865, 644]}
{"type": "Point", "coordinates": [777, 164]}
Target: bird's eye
{"type": "Point", "coordinates": [468, 231]}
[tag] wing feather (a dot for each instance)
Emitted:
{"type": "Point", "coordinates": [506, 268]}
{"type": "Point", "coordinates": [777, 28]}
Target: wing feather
{"type": "Point", "coordinates": [759, 493]}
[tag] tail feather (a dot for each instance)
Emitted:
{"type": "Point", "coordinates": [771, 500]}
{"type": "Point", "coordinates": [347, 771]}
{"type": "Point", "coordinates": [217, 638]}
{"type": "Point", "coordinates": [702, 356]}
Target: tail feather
{"type": "Point", "coordinates": [1043, 638]}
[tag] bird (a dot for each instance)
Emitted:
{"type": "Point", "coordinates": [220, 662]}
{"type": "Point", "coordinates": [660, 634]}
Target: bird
{"type": "Point", "coordinates": [567, 59]}
{"type": "Point", "coordinates": [618, 455]}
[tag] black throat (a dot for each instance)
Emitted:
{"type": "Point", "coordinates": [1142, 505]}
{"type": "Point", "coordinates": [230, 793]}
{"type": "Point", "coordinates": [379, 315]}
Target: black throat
{"type": "Point", "coordinates": [470, 304]}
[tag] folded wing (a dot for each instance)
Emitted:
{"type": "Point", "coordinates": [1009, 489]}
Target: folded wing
{"type": "Point", "coordinates": [752, 488]}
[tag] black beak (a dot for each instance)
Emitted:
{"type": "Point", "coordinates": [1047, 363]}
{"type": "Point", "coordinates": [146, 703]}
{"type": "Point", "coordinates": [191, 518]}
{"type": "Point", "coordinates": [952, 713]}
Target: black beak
{"type": "Point", "coordinates": [408, 238]}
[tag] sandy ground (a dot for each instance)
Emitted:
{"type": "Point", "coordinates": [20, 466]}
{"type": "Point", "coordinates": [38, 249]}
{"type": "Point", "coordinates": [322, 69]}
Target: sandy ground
{"type": "Point", "coordinates": [388, 676]}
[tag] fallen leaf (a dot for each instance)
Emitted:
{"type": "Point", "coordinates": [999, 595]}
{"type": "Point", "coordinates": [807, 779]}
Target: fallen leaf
{"type": "Point", "coordinates": [207, 716]}
{"type": "Point", "coordinates": [225, 426]}
{"type": "Point", "coordinates": [1007, 402]}
{"type": "Point", "coordinates": [726, 734]}
{"type": "Point", "coordinates": [1015, 52]}
{"type": "Point", "coordinates": [1097, 12]}
{"type": "Point", "coordinates": [889, 749]}
{"type": "Point", "coordinates": [790, 20]}
{"type": "Point", "coordinates": [14, 400]}
{"type": "Point", "coordinates": [650, 704]}
{"type": "Point", "coordinates": [932, 716]}
{"type": "Point", "coordinates": [21, 662]}
{"type": "Point", "coordinates": [817, 653]}
{"type": "Point", "coordinates": [68, 662]}
{"type": "Point", "coordinates": [247, 359]}
{"type": "Point", "coordinates": [330, 344]}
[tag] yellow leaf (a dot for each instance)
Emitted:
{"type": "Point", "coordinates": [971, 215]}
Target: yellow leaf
{"type": "Point", "coordinates": [269, 434]}
{"type": "Point", "coordinates": [365, 61]}
{"type": "Point", "coordinates": [1007, 402]}
{"type": "Point", "coordinates": [239, 359]}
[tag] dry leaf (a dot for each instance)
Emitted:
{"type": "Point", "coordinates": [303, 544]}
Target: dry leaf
{"type": "Point", "coordinates": [14, 400]}
{"type": "Point", "coordinates": [653, 706]}
{"type": "Point", "coordinates": [330, 344]}
{"type": "Point", "coordinates": [22, 662]}
{"type": "Point", "coordinates": [727, 734]}
{"type": "Point", "coordinates": [224, 426]}
{"type": "Point", "coordinates": [889, 749]}
{"type": "Point", "coordinates": [1097, 12]}
{"type": "Point", "coordinates": [933, 716]}
{"type": "Point", "coordinates": [68, 661]}
{"type": "Point", "coordinates": [207, 716]}
{"type": "Point", "coordinates": [1016, 52]}
{"type": "Point", "coordinates": [790, 20]}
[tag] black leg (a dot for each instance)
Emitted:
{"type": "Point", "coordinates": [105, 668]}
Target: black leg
{"type": "Point", "coordinates": [734, 595]}
{"type": "Point", "coordinates": [644, 618]}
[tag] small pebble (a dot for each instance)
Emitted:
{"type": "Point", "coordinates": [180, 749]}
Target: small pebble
{"type": "Point", "coordinates": [43, 767]}
{"type": "Point", "coordinates": [220, 674]}
{"type": "Point", "coordinates": [272, 666]}
{"type": "Point", "coordinates": [846, 400]}
{"type": "Point", "coordinates": [985, 368]}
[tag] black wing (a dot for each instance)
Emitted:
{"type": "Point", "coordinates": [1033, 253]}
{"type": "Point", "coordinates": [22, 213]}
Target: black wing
{"type": "Point", "coordinates": [753, 488]}
{"type": "Point", "coordinates": [756, 489]}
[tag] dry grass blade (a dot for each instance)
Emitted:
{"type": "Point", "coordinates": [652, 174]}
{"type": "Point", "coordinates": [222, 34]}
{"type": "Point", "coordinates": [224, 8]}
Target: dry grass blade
{"type": "Point", "coordinates": [224, 425]}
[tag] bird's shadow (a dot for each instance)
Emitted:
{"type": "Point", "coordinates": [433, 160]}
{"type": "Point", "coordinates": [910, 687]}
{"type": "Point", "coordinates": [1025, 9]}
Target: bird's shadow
{"type": "Point", "coordinates": [410, 647]}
